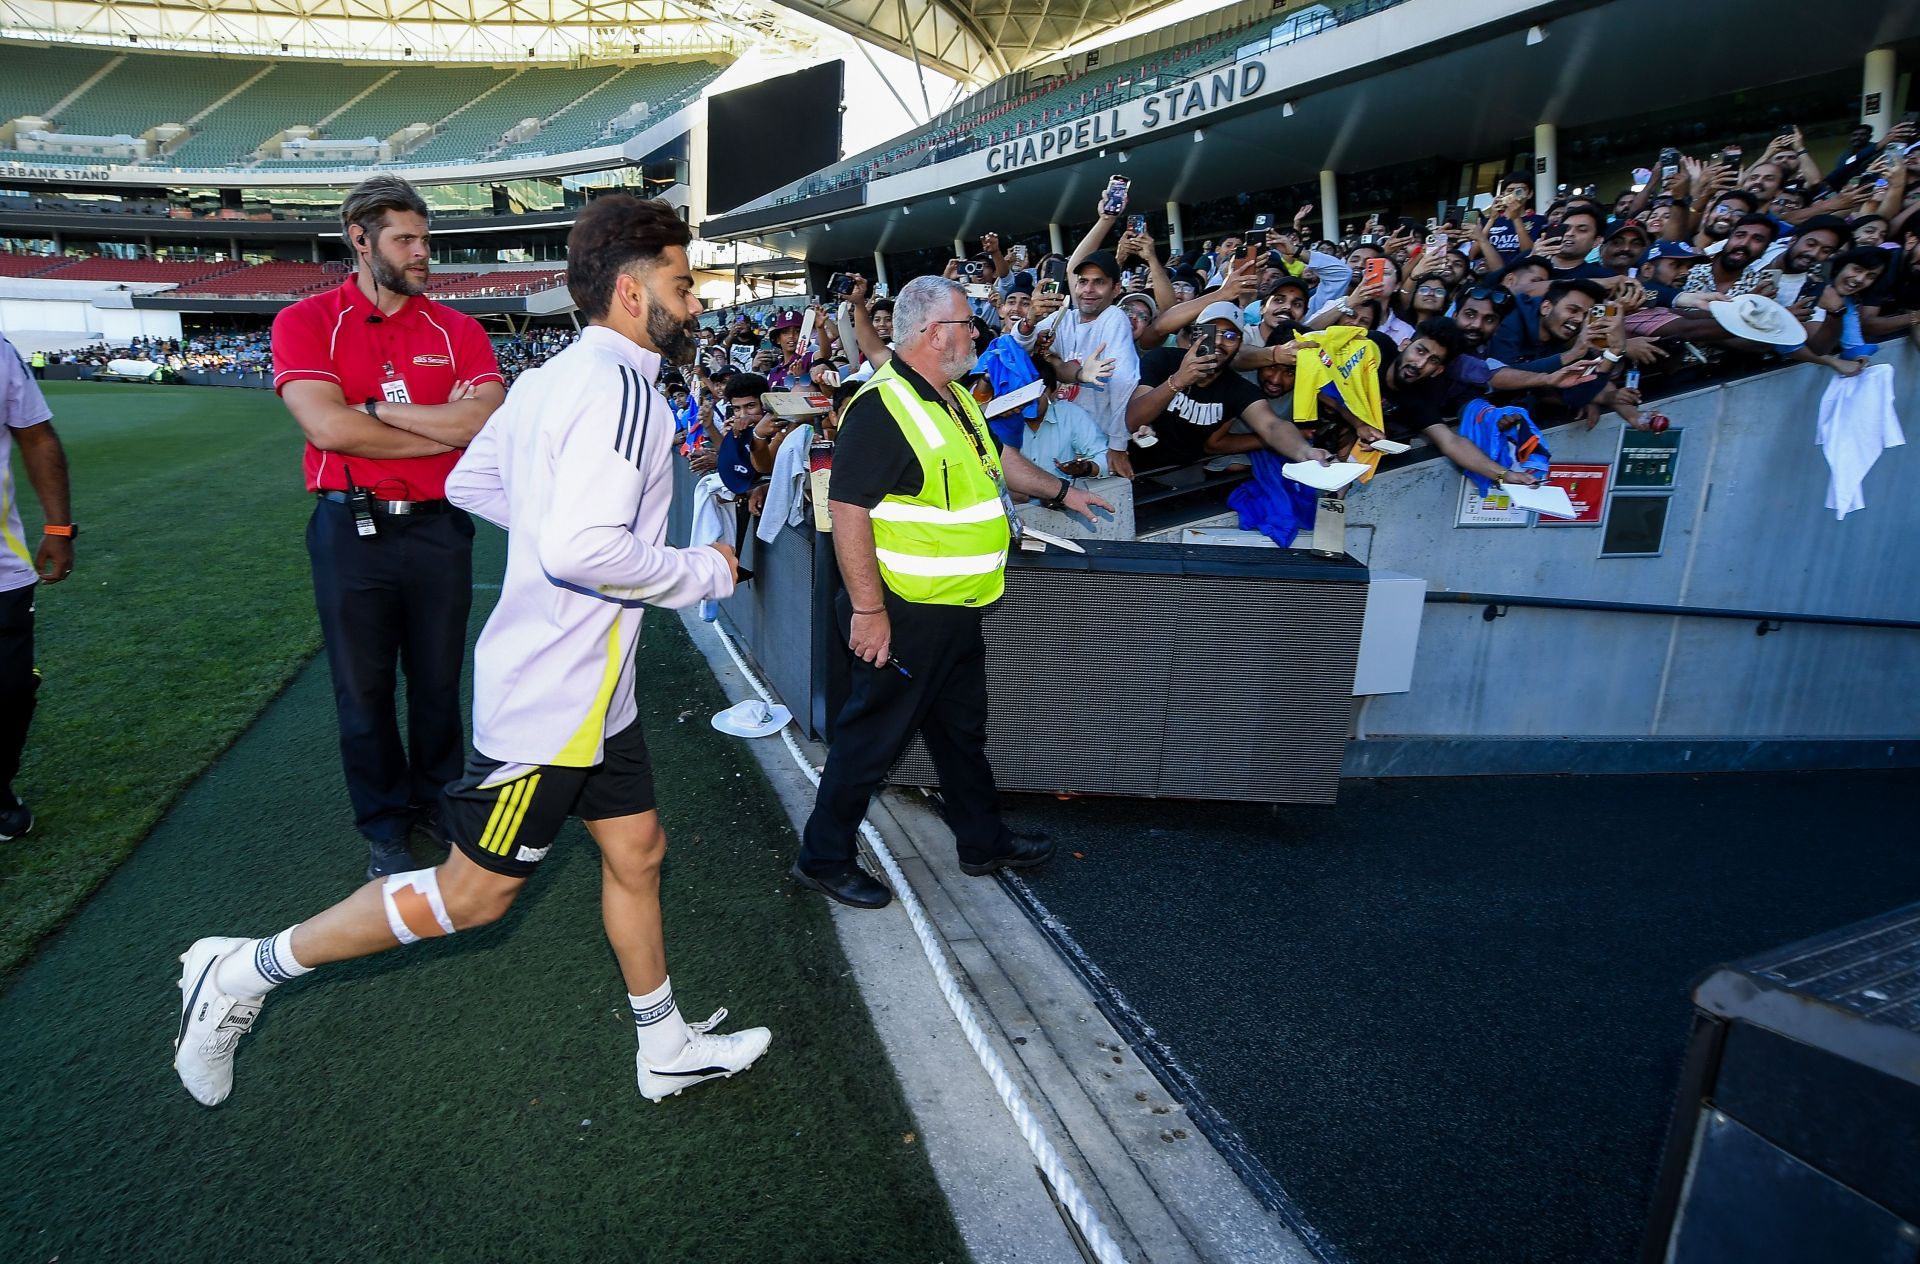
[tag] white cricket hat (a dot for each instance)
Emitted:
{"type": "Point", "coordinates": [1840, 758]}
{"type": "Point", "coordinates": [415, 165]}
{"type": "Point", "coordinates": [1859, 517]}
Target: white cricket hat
{"type": "Point", "coordinates": [752, 718]}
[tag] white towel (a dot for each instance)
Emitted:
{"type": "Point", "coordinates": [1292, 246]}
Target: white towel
{"type": "Point", "coordinates": [1857, 422]}
{"type": "Point", "coordinates": [712, 513]}
{"type": "Point", "coordinates": [786, 506]}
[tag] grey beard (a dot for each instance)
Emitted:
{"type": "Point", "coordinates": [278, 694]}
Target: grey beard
{"type": "Point", "coordinates": [671, 338]}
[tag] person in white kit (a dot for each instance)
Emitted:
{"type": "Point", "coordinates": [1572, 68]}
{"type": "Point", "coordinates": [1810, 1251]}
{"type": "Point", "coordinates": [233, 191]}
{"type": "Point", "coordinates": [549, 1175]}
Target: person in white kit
{"type": "Point", "coordinates": [577, 465]}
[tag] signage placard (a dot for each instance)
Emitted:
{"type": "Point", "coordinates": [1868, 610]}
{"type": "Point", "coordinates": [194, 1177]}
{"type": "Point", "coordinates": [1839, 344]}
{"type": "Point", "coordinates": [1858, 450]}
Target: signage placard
{"type": "Point", "coordinates": [1491, 510]}
{"type": "Point", "coordinates": [1648, 459]}
{"type": "Point", "coordinates": [1586, 487]}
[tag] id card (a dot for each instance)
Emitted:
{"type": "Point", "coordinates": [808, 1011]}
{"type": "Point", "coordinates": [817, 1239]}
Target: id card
{"type": "Point", "coordinates": [394, 390]}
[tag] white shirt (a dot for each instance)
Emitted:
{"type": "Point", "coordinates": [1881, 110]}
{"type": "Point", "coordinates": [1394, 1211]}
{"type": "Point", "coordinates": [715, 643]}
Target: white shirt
{"type": "Point", "coordinates": [1065, 434]}
{"type": "Point", "coordinates": [1110, 336]}
{"type": "Point", "coordinates": [578, 466]}
{"type": "Point", "coordinates": [21, 405]}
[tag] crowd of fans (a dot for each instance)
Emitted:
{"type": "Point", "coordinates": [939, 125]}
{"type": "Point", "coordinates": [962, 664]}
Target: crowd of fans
{"type": "Point", "coordinates": [1476, 332]}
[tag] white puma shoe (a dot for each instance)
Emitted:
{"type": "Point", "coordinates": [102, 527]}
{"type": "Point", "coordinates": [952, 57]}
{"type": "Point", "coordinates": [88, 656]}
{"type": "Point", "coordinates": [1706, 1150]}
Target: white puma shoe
{"type": "Point", "coordinates": [211, 1022]}
{"type": "Point", "coordinates": [705, 1057]}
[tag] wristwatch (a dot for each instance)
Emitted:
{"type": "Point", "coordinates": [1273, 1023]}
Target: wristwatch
{"type": "Point", "coordinates": [1059, 497]}
{"type": "Point", "coordinates": [373, 409]}
{"type": "Point", "coordinates": [65, 530]}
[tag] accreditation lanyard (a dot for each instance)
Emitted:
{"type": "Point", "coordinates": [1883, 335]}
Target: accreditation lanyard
{"type": "Point", "coordinates": [1014, 526]}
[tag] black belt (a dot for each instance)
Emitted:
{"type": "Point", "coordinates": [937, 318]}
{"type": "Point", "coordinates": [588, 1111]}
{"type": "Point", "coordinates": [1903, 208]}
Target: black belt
{"type": "Point", "coordinates": [397, 507]}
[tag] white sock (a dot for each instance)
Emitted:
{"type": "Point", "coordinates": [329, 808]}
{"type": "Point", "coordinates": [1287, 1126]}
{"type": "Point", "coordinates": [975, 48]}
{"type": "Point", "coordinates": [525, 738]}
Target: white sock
{"type": "Point", "coordinates": [663, 1033]}
{"type": "Point", "coordinates": [259, 967]}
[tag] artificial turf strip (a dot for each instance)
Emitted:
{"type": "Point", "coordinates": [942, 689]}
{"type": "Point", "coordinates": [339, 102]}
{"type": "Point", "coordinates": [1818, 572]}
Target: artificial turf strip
{"type": "Point", "coordinates": [469, 1098]}
{"type": "Point", "coordinates": [189, 608]}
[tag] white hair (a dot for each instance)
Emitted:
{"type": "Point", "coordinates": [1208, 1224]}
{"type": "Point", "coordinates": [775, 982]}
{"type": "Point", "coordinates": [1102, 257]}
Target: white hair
{"type": "Point", "coordinates": [921, 300]}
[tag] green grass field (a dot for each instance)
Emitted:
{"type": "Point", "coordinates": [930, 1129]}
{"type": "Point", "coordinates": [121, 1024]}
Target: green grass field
{"type": "Point", "coordinates": [468, 1099]}
{"type": "Point", "coordinates": [189, 607]}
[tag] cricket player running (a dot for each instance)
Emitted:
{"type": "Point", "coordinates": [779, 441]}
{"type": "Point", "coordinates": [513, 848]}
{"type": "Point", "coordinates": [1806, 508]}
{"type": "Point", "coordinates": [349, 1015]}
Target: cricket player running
{"type": "Point", "coordinates": [577, 465]}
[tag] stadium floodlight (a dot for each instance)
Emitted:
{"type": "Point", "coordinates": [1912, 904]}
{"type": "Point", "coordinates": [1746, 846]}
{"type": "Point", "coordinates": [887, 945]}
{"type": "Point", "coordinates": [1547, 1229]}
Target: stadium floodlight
{"type": "Point", "coordinates": [952, 200]}
{"type": "Point", "coordinates": [1122, 155]}
{"type": "Point", "coordinates": [1536, 34]}
{"type": "Point", "coordinates": [1198, 135]}
{"type": "Point", "coordinates": [1000, 188]}
{"type": "Point", "coordinates": [1286, 109]}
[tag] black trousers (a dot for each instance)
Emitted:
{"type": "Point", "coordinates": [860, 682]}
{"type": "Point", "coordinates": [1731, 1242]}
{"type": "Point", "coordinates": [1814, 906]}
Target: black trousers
{"type": "Point", "coordinates": [945, 702]}
{"type": "Point", "coordinates": [18, 682]}
{"type": "Point", "coordinates": [396, 599]}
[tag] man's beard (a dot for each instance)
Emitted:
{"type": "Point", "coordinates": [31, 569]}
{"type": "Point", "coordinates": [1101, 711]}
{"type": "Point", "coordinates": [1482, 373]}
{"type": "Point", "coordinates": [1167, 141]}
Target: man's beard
{"type": "Point", "coordinates": [673, 339]}
{"type": "Point", "coordinates": [388, 277]}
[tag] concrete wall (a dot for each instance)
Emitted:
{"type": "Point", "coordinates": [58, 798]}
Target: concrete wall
{"type": "Point", "coordinates": [1746, 529]}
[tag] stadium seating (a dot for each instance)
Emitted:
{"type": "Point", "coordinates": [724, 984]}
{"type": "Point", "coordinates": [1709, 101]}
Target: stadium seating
{"type": "Point", "coordinates": [506, 284]}
{"type": "Point", "coordinates": [294, 93]}
{"type": "Point", "coordinates": [280, 279]}
{"type": "Point", "coordinates": [36, 77]}
{"type": "Point", "coordinates": [12, 265]}
{"type": "Point", "coordinates": [135, 270]}
{"type": "Point", "coordinates": [473, 106]}
{"type": "Point", "coordinates": [143, 91]}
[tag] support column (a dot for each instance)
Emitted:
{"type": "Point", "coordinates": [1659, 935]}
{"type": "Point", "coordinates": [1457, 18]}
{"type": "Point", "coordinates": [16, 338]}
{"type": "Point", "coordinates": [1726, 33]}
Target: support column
{"type": "Point", "coordinates": [1877, 87]}
{"type": "Point", "coordinates": [1055, 241]}
{"type": "Point", "coordinates": [959, 248]}
{"type": "Point", "coordinates": [1546, 165]}
{"type": "Point", "coordinates": [879, 268]}
{"type": "Point", "coordinates": [1329, 206]}
{"type": "Point", "coordinates": [1176, 230]}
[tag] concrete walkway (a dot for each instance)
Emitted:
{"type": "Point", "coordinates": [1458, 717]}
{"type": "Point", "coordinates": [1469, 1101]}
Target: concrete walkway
{"type": "Point", "coordinates": [1161, 1189]}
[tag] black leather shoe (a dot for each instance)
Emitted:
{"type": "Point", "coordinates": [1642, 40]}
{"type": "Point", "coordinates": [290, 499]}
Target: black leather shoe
{"type": "Point", "coordinates": [1024, 853]}
{"type": "Point", "coordinates": [388, 856]}
{"type": "Point", "coordinates": [854, 888]}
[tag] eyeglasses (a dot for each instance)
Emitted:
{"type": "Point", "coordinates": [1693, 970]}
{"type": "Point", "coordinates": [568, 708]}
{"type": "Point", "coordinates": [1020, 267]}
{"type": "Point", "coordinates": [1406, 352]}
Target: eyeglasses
{"type": "Point", "coordinates": [932, 323]}
{"type": "Point", "coordinates": [1432, 291]}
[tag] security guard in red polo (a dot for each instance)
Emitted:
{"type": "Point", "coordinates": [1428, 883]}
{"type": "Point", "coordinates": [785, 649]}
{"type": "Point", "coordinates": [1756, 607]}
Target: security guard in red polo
{"type": "Point", "coordinates": [389, 387]}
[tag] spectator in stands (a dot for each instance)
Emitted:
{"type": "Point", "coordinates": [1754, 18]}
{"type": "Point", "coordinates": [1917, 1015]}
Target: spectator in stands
{"type": "Point", "coordinates": [1836, 315]}
{"type": "Point", "coordinates": [1728, 273]}
{"type": "Point", "coordinates": [1092, 345]}
{"type": "Point", "coordinates": [1187, 401]}
{"type": "Point", "coordinates": [1512, 225]}
{"type": "Point", "coordinates": [1727, 210]}
{"type": "Point", "coordinates": [738, 456]}
{"type": "Point", "coordinates": [1526, 277]}
{"type": "Point", "coordinates": [1892, 307]}
{"type": "Point", "coordinates": [1415, 402]}
{"type": "Point", "coordinates": [1551, 333]}
{"type": "Point", "coordinates": [1580, 227]}
{"type": "Point", "coordinates": [1061, 438]}
{"type": "Point", "coordinates": [1280, 312]}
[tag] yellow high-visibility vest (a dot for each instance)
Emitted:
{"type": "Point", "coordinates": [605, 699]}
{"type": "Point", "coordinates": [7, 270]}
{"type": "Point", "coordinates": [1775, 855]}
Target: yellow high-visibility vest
{"type": "Point", "coordinates": [946, 546]}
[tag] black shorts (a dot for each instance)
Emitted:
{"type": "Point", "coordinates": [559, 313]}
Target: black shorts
{"type": "Point", "coordinates": [509, 828]}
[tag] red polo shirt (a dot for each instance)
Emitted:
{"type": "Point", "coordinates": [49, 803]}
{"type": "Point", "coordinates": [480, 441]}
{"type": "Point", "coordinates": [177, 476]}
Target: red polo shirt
{"type": "Point", "coordinates": [341, 337]}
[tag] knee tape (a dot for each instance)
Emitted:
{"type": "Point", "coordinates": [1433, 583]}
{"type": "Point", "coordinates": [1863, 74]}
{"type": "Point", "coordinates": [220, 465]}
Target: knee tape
{"type": "Point", "coordinates": [415, 910]}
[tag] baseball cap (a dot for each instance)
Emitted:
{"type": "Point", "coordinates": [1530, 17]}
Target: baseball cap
{"type": "Point", "coordinates": [1629, 225]}
{"type": "Point", "coordinates": [1103, 260]}
{"type": "Point", "coordinates": [1141, 296]}
{"type": "Point", "coordinates": [1022, 283]}
{"type": "Point", "coordinates": [1187, 276]}
{"type": "Point", "coordinates": [1292, 283]}
{"type": "Point", "coordinates": [1672, 250]}
{"type": "Point", "coordinates": [785, 320]}
{"type": "Point", "coordinates": [1223, 311]}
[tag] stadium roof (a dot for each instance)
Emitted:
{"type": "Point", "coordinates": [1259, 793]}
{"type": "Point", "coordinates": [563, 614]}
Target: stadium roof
{"type": "Point", "coordinates": [972, 40]}
{"type": "Point", "coordinates": [977, 40]}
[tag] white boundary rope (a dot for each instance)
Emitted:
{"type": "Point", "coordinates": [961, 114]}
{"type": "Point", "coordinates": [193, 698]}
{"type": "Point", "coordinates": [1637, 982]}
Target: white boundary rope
{"type": "Point", "coordinates": [1065, 1188]}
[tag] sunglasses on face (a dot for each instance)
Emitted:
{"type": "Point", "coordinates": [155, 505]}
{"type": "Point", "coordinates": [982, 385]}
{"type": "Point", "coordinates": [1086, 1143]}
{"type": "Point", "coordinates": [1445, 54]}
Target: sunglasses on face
{"type": "Point", "coordinates": [1492, 295]}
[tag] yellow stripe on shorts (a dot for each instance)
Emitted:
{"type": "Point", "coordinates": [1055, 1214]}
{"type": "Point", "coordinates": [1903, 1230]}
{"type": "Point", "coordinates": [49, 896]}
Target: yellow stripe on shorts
{"type": "Point", "coordinates": [520, 812]}
{"type": "Point", "coordinates": [502, 813]}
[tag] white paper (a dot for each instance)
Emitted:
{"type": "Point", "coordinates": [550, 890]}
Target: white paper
{"type": "Point", "coordinates": [1326, 478]}
{"type": "Point", "coordinates": [1019, 397]}
{"type": "Point", "coordinates": [1392, 447]}
{"type": "Point", "coordinates": [1549, 499]}
{"type": "Point", "coordinates": [806, 330]}
{"type": "Point", "coordinates": [1045, 538]}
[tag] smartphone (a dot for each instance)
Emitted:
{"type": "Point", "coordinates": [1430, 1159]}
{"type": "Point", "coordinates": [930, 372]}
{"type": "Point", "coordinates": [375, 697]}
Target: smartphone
{"type": "Point", "coordinates": [974, 269]}
{"type": "Point", "coordinates": [1137, 224]}
{"type": "Point", "coordinates": [1246, 248]}
{"type": "Point", "coordinates": [1770, 274]}
{"type": "Point", "coordinates": [1019, 256]}
{"type": "Point", "coordinates": [1055, 274]}
{"type": "Point", "coordinates": [842, 283]}
{"type": "Point", "coordinates": [957, 265]}
{"type": "Point", "coordinates": [1206, 344]}
{"type": "Point", "coordinates": [1374, 273]}
{"type": "Point", "coordinates": [1601, 311]}
{"type": "Point", "coordinates": [1114, 200]}
{"type": "Point", "coordinates": [1733, 153]}
{"type": "Point", "coordinates": [1261, 223]}
{"type": "Point", "coordinates": [979, 291]}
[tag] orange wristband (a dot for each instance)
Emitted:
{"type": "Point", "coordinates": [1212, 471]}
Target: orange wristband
{"type": "Point", "coordinates": [64, 530]}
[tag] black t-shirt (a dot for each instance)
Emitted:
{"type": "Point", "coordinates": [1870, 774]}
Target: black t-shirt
{"type": "Point", "coordinates": [1586, 270]}
{"type": "Point", "coordinates": [872, 460]}
{"type": "Point", "coordinates": [1192, 414]}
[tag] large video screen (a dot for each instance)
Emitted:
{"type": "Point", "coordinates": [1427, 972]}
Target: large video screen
{"type": "Point", "coordinates": [772, 133]}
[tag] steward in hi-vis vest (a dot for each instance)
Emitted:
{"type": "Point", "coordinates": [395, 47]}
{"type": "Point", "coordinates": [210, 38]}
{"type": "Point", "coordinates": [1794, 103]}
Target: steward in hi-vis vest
{"type": "Point", "coordinates": [921, 527]}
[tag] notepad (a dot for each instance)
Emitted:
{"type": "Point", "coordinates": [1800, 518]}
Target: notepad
{"type": "Point", "coordinates": [1326, 478]}
{"type": "Point", "coordinates": [1019, 397]}
{"type": "Point", "coordinates": [1392, 447]}
{"type": "Point", "coordinates": [1549, 499]}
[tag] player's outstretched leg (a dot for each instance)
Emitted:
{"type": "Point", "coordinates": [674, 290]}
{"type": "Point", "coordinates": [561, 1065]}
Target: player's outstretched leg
{"type": "Point", "coordinates": [674, 1055]}
{"type": "Point", "coordinates": [224, 981]}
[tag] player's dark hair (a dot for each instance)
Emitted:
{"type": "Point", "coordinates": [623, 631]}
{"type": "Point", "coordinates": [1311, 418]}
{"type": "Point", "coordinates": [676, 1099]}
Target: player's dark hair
{"type": "Point", "coordinates": [367, 203]}
{"type": "Point", "coordinates": [613, 233]}
{"type": "Point", "coordinates": [1443, 334]}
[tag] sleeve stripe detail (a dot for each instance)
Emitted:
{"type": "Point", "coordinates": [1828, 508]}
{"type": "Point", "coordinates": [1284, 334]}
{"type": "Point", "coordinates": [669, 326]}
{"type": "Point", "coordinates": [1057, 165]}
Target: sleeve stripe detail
{"type": "Point", "coordinates": [637, 451]}
{"type": "Point", "coordinates": [303, 373]}
{"type": "Point", "coordinates": [620, 429]}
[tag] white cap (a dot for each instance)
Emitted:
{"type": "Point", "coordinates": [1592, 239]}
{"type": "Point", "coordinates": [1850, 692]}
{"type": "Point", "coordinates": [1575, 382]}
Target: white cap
{"type": "Point", "coordinates": [1223, 311]}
